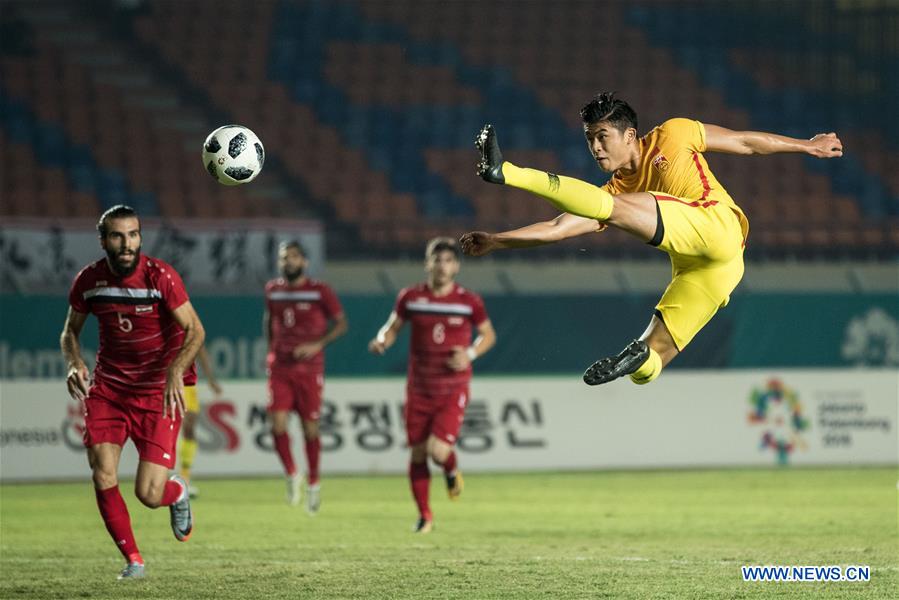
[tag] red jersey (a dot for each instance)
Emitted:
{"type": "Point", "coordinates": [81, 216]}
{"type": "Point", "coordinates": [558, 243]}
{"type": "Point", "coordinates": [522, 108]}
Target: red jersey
{"type": "Point", "coordinates": [438, 324]}
{"type": "Point", "coordinates": [139, 337]}
{"type": "Point", "coordinates": [298, 314]}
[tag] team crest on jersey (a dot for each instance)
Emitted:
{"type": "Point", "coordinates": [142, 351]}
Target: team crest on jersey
{"type": "Point", "coordinates": [660, 163]}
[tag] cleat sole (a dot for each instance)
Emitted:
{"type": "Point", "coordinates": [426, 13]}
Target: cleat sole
{"type": "Point", "coordinates": [609, 369]}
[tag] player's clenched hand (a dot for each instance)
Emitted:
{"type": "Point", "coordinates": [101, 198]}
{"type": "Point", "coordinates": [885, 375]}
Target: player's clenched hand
{"type": "Point", "coordinates": [76, 381]}
{"type": "Point", "coordinates": [459, 361]}
{"type": "Point", "coordinates": [173, 401]}
{"type": "Point", "coordinates": [825, 145]}
{"type": "Point", "coordinates": [307, 350]}
{"type": "Point", "coordinates": [377, 347]}
{"type": "Point", "coordinates": [478, 243]}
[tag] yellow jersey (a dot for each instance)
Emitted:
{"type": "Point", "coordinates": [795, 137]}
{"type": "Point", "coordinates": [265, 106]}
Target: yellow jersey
{"type": "Point", "coordinates": [672, 163]}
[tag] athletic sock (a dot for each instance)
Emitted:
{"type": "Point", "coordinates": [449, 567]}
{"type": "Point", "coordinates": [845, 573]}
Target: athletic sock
{"type": "Point", "coordinates": [171, 492]}
{"type": "Point", "coordinates": [565, 193]}
{"type": "Point", "coordinates": [449, 465]}
{"type": "Point", "coordinates": [420, 481]}
{"type": "Point", "coordinates": [118, 522]}
{"type": "Point", "coordinates": [313, 452]}
{"type": "Point", "coordinates": [649, 370]}
{"type": "Point", "coordinates": [282, 447]}
{"type": "Point", "coordinates": [187, 449]}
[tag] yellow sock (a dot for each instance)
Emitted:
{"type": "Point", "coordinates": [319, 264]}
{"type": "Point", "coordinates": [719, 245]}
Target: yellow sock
{"type": "Point", "coordinates": [187, 449]}
{"type": "Point", "coordinates": [566, 193]}
{"type": "Point", "coordinates": [649, 370]}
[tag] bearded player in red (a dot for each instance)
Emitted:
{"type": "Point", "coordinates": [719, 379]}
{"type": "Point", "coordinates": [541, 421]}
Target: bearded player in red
{"type": "Point", "coordinates": [149, 336]}
{"type": "Point", "coordinates": [302, 316]}
{"type": "Point", "coordinates": [442, 314]}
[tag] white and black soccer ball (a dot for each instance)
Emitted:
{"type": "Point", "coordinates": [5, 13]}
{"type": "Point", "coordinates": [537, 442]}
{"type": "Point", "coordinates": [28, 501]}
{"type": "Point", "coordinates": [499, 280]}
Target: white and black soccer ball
{"type": "Point", "coordinates": [233, 155]}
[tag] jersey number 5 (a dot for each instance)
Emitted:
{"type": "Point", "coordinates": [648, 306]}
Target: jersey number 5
{"type": "Point", "coordinates": [125, 323]}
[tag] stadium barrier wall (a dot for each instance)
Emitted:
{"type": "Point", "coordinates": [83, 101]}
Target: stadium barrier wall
{"type": "Point", "coordinates": [751, 418]}
{"type": "Point", "coordinates": [536, 334]}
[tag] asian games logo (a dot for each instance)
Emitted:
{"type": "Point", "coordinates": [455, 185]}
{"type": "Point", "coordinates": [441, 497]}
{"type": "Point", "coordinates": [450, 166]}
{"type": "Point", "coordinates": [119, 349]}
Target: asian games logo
{"type": "Point", "coordinates": [777, 408]}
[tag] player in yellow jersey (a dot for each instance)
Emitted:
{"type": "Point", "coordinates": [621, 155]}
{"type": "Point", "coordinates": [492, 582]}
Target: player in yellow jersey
{"type": "Point", "coordinates": [187, 445]}
{"type": "Point", "coordinates": [663, 193]}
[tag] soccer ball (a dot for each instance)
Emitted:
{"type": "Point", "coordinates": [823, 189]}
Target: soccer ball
{"type": "Point", "coordinates": [233, 155]}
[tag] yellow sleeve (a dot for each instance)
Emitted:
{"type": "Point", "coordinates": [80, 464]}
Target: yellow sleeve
{"type": "Point", "coordinates": [685, 132]}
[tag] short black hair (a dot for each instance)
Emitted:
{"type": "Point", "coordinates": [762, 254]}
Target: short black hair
{"type": "Point", "coordinates": [606, 107]}
{"type": "Point", "coordinates": [439, 244]}
{"type": "Point", "coordinates": [288, 244]}
{"type": "Point", "coordinates": [119, 211]}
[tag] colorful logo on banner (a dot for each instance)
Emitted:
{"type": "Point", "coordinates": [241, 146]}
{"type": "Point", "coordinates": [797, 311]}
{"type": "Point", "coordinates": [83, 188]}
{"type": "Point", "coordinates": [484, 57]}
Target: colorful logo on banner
{"type": "Point", "coordinates": [776, 408]}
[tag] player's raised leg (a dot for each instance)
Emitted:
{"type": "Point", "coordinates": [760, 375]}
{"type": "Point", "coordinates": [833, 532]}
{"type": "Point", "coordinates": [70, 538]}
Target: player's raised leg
{"type": "Point", "coordinates": [634, 213]}
{"type": "Point", "coordinates": [154, 488]}
{"type": "Point", "coordinates": [442, 453]}
{"type": "Point", "coordinates": [104, 462]}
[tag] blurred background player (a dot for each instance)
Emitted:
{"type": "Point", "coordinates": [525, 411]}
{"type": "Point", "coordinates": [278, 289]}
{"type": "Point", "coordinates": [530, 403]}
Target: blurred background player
{"type": "Point", "coordinates": [442, 314]}
{"type": "Point", "coordinates": [302, 316]}
{"type": "Point", "coordinates": [149, 334]}
{"type": "Point", "coordinates": [187, 445]}
{"type": "Point", "coordinates": [662, 192]}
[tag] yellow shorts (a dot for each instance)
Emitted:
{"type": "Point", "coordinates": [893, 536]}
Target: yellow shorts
{"type": "Point", "coordinates": [191, 402]}
{"type": "Point", "coordinates": [705, 242]}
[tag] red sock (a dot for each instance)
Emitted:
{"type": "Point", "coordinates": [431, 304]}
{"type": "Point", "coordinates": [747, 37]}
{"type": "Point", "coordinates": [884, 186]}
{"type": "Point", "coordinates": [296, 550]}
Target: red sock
{"type": "Point", "coordinates": [171, 493]}
{"type": "Point", "coordinates": [282, 447]}
{"type": "Point", "coordinates": [313, 450]}
{"type": "Point", "coordinates": [449, 465]}
{"type": "Point", "coordinates": [118, 522]}
{"type": "Point", "coordinates": [420, 479]}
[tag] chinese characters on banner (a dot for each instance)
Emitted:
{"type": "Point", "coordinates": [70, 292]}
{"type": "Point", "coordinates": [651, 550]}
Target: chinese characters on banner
{"type": "Point", "coordinates": [211, 256]}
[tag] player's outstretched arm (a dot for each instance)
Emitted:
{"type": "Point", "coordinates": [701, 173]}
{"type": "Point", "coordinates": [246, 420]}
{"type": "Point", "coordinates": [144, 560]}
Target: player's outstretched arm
{"type": "Point", "coordinates": [479, 243]}
{"type": "Point", "coordinates": [386, 335]}
{"type": "Point", "coordinates": [77, 374]}
{"type": "Point", "coordinates": [721, 139]}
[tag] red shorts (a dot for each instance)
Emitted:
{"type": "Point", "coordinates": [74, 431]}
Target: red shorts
{"type": "Point", "coordinates": [440, 416]}
{"type": "Point", "coordinates": [301, 392]}
{"type": "Point", "coordinates": [109, 418]}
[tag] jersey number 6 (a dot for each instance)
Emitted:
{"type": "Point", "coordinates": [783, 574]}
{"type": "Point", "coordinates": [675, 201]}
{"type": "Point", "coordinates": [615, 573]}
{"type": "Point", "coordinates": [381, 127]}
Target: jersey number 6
{"type": "Point", "coordinates": [439, 333]}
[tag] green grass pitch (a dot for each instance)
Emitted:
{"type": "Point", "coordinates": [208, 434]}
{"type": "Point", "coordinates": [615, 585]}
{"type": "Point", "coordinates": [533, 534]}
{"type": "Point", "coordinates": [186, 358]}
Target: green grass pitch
{"type": "Point", "coordinates": [674, 534]}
